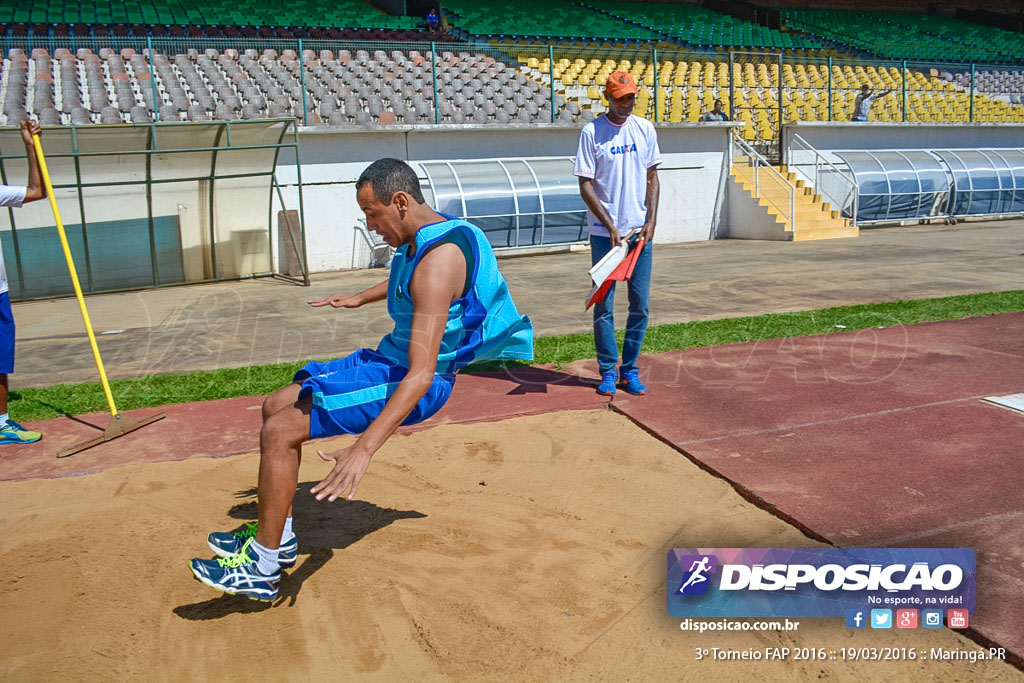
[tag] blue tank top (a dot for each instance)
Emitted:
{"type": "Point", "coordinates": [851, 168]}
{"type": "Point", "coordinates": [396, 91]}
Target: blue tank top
{"type": "Point", "coordinates": [483, 324]}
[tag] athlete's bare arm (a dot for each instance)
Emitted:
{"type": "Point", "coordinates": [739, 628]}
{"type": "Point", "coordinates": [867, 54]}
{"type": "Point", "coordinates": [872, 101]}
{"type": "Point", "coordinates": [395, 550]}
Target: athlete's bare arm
{"type": "Point", "coordinates": [378, 292]}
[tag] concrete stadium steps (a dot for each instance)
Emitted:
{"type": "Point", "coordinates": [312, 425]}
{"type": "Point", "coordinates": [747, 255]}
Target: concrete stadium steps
{"type": "Point", "coordinates": [815, 219]}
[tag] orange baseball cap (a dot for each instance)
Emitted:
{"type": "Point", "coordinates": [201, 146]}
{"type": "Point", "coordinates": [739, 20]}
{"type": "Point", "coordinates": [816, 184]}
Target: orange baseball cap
{"type": "Point", "coordinates": [620, 84]}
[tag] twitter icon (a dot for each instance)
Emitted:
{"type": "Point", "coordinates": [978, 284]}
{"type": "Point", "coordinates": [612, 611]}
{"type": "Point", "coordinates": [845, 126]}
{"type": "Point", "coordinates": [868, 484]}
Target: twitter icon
{"type": "Point", "coordinates": [881, 618]}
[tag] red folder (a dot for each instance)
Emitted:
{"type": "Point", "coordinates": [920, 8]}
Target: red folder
{"type": "Point", "coordinates": [622, 272]}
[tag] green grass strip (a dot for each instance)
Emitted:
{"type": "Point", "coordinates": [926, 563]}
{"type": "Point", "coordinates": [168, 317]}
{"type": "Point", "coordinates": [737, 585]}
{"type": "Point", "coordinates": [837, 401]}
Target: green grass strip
{"type": "Point", "coordinates": [257, 380]}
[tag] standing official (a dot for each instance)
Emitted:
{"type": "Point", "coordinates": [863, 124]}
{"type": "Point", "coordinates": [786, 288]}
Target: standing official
{"type": "Point", "coordinates": [617, 165]}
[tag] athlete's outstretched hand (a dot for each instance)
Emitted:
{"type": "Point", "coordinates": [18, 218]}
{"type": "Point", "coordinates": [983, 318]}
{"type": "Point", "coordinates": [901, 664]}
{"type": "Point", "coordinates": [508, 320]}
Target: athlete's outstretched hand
{"type": "Point", "coordinates": [338, 301]}
{"type": "Point", "coordinates": [349, 467]}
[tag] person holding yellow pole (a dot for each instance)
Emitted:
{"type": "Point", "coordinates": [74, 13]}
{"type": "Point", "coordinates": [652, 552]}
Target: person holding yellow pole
{"type": "Point", "coordinates": [12, 195]}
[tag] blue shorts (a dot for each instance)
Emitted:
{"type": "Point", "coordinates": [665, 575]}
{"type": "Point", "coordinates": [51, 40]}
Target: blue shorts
{"type": "Point", "coordinates": [6, 335]}
{"type": "Point", "coordinates": [349, 393]}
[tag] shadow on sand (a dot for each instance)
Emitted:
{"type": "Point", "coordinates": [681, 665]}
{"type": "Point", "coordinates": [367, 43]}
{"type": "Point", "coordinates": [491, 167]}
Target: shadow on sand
{"type": "Point", "coordinates": [321, 527]}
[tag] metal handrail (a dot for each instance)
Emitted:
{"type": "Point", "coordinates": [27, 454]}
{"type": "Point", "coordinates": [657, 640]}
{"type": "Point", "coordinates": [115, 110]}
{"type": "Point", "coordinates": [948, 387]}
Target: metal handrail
{"type": "Point", "coordinates": [758, 162]}
{"type": "Point", "coordinates": [853, 195]}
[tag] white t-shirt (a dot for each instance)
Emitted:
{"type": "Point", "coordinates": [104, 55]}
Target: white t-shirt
{"type": "Point", "coordinates": [862, 106]}
{"type": "Point", "coordinates": [10, 195]}
{"type": "Point", "coordinates": [617, 158]}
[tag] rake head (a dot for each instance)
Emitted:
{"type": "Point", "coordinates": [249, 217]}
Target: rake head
{"type": "Point", "coordinates": [119, 426]}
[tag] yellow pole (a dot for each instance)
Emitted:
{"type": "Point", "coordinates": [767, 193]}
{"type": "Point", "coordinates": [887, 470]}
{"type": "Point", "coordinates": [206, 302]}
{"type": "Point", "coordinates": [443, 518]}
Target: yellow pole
{"type": "Point", "coordinates": [74, 274]}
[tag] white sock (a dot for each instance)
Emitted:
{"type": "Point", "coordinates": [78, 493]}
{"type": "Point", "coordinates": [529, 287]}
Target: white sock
{"type": "Point", "coordinates": [287, 534]}
{"type": "Point", "coordinates": [3, 420]}
{"type": "Point", "coordinates": [266, 559]}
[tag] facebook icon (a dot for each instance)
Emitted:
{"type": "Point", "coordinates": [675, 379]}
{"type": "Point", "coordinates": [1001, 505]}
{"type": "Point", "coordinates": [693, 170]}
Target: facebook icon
{"type": "Point", "coordinates": [856, 618]}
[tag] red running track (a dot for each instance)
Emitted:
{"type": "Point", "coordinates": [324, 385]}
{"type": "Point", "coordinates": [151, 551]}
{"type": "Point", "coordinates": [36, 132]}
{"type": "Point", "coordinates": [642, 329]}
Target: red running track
{"type": "Point", "coordinates": [869, 438]}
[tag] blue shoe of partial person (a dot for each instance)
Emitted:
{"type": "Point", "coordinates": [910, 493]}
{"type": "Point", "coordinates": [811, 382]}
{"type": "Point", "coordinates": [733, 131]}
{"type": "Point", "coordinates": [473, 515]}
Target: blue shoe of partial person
{"type": "Point", "coordinates": [607, 385]}
{"type": "Point", "coordinates": [12, 432]}
{"type": "Point", "coordinates": [630, 381]}
{"type": "Point", "coordinates": [237, 575]}
{"type": "Point", "coordinates": [228, 543]}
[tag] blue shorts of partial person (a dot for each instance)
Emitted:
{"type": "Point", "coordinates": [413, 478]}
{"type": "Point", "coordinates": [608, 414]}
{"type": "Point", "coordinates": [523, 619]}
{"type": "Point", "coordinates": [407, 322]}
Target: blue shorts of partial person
{"type": "Point", "coordinates": [6, 335]}
{"type": "Point", "coordinates": [349, 393]}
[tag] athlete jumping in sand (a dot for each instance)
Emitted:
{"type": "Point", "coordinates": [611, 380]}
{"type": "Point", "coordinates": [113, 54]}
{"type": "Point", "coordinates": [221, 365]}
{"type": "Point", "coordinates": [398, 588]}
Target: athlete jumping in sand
{"type": "Point", "coordinates": [451, 307]}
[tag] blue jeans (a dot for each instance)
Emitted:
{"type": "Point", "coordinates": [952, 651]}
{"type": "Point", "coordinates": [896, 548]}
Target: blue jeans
{"type": "Point", "coordinates": [639, 286]}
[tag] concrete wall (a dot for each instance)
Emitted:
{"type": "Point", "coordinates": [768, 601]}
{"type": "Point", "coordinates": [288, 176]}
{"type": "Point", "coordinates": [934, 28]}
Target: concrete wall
{"type": "Point", "coordinates": [693, 175]}
{"type": "Point", "coordinates": [748, 220]}
{"type": "Point", "coordinates": [827, 137]}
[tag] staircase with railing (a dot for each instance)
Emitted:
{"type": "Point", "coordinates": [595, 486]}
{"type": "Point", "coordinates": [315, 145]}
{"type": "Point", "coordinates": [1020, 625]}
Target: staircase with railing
{"type": "Point", "coordinates": [795, 209]}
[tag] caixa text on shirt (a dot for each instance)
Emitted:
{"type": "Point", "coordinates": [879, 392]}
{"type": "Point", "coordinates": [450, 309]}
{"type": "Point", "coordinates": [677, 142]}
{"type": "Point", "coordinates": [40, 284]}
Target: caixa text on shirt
{"type": "Point", "coordinates": [623, 149]}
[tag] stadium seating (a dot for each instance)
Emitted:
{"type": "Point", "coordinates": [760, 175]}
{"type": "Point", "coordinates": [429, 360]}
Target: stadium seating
{"type": "Point", "coordinates": [907, 36]}
{"type": "Point", "coordinates": [341, 89]}
{"type": "Point", "coordinates": [336, 14]}
{"type": "Point", "coordinates": [383, 88]}
{"type": "Point", "coordinates": [558, 19]}
{"type": "Point", "coordinates": [701, 27]}
{"type": "Point", "coordinates": [688, 86]}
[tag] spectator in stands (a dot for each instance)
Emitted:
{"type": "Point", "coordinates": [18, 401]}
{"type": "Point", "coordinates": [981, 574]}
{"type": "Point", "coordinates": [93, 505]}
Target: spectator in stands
{"type": "Point", "coordinates": [617, 165]}
{"type": "Point", "coordinates": [862, 105]}
{"type": "Point", "coordinates": [433, 20]}
{"type": "Point", "coordinates": [716, 114]}
{"type": "Point", "coordinates": [11, 431]}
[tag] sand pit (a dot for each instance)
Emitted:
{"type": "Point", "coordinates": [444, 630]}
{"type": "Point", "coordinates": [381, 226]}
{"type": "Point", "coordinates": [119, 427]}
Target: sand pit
{"type": "Point", "coordinates": [529, 549]}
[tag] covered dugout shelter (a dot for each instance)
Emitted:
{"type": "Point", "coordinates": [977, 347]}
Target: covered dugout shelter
{"type": "Point", "coordinates": [151, 205]}
{"type": "Point", "coordinates": [899, 185]}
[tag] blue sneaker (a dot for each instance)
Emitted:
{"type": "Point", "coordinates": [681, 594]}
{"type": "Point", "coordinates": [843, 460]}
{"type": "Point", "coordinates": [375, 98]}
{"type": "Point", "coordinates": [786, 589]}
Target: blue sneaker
{"type": "Point", "coordinates": [12, 432]}
{"type": "Point", "coordinates": [228, 543]}
{"type": "Point", "coordinates": [630, 381]}
{"type": "Point", "coordinates": [237, 575]}
{"type": "Point", "coordinates": [607, 385]}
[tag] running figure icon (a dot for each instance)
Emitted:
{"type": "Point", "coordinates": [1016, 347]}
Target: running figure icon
{"type": "Point", "coordinates": [697, 571]}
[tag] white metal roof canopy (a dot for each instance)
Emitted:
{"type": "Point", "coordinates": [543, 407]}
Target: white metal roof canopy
{"type": "Point", "coordinates": [986, 181]}
{"type": "Point", "coordinates": [898, 185]}
{"type": "Point", "coordinates": [895, 185]}
{"type": "Point", "coordinates": [517, 202]}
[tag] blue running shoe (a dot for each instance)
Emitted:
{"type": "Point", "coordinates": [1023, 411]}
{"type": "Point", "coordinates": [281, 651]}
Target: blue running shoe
{"type": "Point", "coordinates": [228, 543]}
{"type": "Point", "coordinates": [607, 385]}
{"type": "Point", "coordinates": [631, 383]}
{"type": "Point", "coordinates": [12, 432]}
{"type": "Point", "coordinates": [237, 575]}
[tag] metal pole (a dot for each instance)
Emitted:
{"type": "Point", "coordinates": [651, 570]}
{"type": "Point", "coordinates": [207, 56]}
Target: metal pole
{"type": "Point", "coordinates": [302, 213]}
{"type": "Point", "coordinates": [972, 92]}
{"type": "Point", "coordinates": [433, 80]}
{"type": "Point", "coordinates": [780, 96]}
{"type": "Point", "coordinates": [152, 79]}
{"type": "Point", "coordinates": [654, 62]}
{"type": "Point", "coordinates": [829, 88]}
{"type": "Point", "coordinates": [904, 74]}
{"type": "Point", "coordinates": [302, 84]}
{"type": "Point", "coordinates": [732, 87]}
{"type": "Point", "coordinates": [551, 78]}
{"type": "Point", "coordinates": [81, 209]}
{"type": "Point", "coordinates": [154, 264]}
